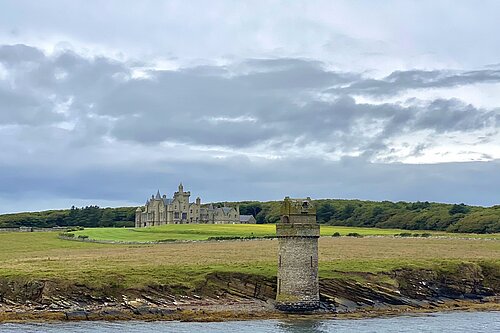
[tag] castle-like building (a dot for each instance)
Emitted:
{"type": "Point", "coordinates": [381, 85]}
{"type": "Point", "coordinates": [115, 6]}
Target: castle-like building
{"type": "Point", "coordinates": [160, 210]}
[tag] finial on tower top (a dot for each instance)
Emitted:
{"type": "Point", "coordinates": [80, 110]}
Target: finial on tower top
{"type": "Point", "coordinates": [181, 188]}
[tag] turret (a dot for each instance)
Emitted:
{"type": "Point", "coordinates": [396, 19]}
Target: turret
{"type": "Point", "coordinates": [138, 213]}
{"type": "Point", "coordinates": [198, 201]}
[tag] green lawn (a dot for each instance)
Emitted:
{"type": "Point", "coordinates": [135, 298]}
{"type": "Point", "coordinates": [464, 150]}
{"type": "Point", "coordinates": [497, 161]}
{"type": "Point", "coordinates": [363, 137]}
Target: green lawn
{"type": "Point", "coordinates": [205, 231]}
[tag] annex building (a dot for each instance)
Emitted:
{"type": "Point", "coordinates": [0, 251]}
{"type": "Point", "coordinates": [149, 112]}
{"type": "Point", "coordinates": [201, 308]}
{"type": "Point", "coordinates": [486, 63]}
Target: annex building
{"type": "Point", "coordinates": [160, 210]}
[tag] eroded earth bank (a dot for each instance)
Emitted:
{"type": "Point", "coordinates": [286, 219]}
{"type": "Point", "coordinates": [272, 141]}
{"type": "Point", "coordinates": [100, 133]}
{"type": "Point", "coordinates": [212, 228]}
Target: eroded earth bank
{"type": "Point", "coordinates": [243, 296]}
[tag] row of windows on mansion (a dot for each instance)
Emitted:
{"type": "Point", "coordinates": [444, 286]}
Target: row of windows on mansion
{"type": "Point", "coordinates": [161, 210]}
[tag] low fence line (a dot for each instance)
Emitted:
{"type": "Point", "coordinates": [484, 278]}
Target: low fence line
{"type": "Point", "coordinates": [104, 241]}
{"type": "Point", "coordinates": [34, 229]}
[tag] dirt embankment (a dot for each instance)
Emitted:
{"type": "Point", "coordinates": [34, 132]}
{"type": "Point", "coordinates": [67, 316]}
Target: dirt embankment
{"type": "Point", "coordinates": [242, 296]}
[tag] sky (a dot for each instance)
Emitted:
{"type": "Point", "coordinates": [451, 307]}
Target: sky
{"type": "Point", "coordinates": [105, 102]}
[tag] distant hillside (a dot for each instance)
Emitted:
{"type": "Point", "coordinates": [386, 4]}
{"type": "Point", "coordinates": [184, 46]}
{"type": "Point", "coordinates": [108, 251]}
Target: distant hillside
{"type": "Point", "coordinates": [385, 214]}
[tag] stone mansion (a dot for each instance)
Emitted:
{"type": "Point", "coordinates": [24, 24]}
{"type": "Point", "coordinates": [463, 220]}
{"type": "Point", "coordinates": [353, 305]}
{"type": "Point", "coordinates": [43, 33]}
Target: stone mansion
{"type": "Point", "coordinates": [161, 210]}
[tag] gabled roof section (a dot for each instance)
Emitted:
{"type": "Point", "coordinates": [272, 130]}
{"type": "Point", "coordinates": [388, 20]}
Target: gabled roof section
{"type": "Point", "coordinates": [158, 196]}
{"type": "Point", "coordinates": [245, 218]}
{"type": "Point", "coordinates": [226, 210]}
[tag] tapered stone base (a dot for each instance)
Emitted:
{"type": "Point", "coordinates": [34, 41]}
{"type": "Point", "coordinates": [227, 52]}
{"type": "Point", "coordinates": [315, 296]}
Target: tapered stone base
{"type": "Point", "coordinates": [297, 306]}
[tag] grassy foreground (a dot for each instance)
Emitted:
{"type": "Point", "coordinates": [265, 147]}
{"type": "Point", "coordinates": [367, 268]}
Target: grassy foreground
{"type": "Point", "coordinates": [183, 265]}
{"type": "Point", "coordinates": [205, 231]}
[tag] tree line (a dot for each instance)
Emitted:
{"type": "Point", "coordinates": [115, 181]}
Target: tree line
{"type": "Point", "coordinates": [89, 216]}
{"type": "Point", "coordinates": [386, 214]}
{"type": "Point", "coordinates": [402, 215]}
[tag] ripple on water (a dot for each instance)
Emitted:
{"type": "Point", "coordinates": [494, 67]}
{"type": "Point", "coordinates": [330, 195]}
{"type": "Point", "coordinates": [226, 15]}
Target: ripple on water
{"type": "Point", "coordinates": [481, 322]}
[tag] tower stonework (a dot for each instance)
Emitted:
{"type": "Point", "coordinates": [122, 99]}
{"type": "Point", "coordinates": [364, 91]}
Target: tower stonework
{"type": "Point", "coordinates": [298, 233]}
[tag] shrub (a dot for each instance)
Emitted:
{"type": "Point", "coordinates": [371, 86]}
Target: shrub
{"type": "Point", "coordinates": [426, 234]}
{"type": "Point", "coordinates": [217, 238]}
{"type": "Point", "coordinates": [336, 234]}
{"type": "Point", "coordinates": [83, 236]}
{"type": "Point", "coordinates": [405, 234]}
{"type": "Point", "coordinates": [354, 234]}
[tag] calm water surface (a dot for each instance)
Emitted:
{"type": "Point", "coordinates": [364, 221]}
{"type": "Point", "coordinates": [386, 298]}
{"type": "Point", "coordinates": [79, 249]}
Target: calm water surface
{"type": "Point", "coordinates": [441, 322]}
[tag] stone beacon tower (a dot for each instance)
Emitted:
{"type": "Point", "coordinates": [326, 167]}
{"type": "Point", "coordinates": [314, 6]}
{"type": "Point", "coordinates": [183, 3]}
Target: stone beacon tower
{"type": "Point", "coordinates": [298, 233]}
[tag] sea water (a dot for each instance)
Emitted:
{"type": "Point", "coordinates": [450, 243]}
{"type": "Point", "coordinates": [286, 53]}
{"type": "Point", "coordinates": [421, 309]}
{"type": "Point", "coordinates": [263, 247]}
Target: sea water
{"type": "Point", "coordinates": [487, 322]}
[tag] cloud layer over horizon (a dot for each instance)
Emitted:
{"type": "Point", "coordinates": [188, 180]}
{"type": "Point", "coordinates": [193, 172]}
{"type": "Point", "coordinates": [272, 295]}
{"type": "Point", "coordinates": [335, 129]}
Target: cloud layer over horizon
{"type": "Point", "coordinates": [84, 127]}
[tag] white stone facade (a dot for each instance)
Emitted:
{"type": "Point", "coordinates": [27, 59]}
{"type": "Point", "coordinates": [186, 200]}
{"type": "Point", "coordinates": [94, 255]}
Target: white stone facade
{"type": "Point", "coordinates": [160, 210]}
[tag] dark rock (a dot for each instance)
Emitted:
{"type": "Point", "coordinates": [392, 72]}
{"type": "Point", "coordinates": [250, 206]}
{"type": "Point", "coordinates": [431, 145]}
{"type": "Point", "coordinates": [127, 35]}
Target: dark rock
{"type": "Point", "coordinates": [144, 310]}
{"type": "Point", "coordinates": [113, 314]}
{"type": "Point", "coordinates": [166, 312]}
{"type": "Point", "coordinates": [76, 315]}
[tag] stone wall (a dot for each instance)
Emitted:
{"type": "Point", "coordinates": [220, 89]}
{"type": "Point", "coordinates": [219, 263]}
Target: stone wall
{"type": "Point", "coordinates": [298, 286]}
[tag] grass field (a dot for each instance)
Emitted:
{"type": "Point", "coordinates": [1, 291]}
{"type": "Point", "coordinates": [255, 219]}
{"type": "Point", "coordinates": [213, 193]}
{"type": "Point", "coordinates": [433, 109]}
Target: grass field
{"type": "Point", "coordinates": [205, 231]}
{"type": "Point", "coordinates": [44, 256]}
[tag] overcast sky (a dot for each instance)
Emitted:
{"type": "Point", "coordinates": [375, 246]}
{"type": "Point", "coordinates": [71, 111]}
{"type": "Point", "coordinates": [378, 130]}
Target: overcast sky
{"type": "Point", "coordinates": [104, 102]}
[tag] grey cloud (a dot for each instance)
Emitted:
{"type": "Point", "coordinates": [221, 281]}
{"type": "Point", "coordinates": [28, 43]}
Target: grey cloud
{"type": "Point", "coordinates": [400, 81]}
{"type": "Point", "coordinates": [106, 108]}
{"type": "Point", "coordinates": [19, 53]}
{"type": "Point", "coordinates": [175, 105]}
{"type": "Point", "coordinates": [25, 108]}
{"type": "Point", "coordinates": [292, 74]}
{"type": "Point", "coordinates": [228, 179]}
{"type": "Point", "coordinates": [452, 115]}
{"type": "Point", "coordinates": [279, 95]}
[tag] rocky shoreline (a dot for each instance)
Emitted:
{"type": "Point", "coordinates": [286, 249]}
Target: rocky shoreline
{"type": "Point", "coordinates": [237, 296]}
{"type": "Point", "coordinates": [225, 312]}
{"type": "Point", "coordinates": [137, 310]}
